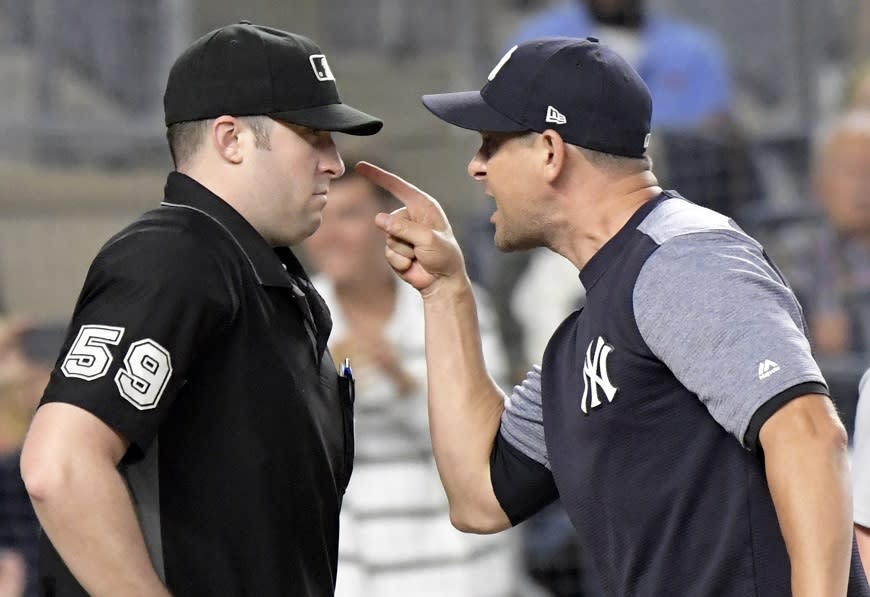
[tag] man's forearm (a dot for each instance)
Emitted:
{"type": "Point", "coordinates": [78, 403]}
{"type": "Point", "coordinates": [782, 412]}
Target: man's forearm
{"type": "Point", "coordinates": [89, 517]}
{"type": "Point", "coordinates": [465, 405]}
{"type": "Point", "coordinates": [808, 475]}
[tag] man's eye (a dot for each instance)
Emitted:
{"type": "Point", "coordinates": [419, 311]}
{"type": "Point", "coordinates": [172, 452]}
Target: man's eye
{"type": "Point", "coordinates": [488, 147]}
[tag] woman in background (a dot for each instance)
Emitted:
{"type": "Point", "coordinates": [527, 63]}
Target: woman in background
{"type": "Point", "coordinates": [861, 471]}
{"type": "Point", "coordinates": [396, 537]}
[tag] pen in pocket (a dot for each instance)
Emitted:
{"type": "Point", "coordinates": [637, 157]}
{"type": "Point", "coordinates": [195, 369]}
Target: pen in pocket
{"type": "Point", "coordinates": [347, 376]}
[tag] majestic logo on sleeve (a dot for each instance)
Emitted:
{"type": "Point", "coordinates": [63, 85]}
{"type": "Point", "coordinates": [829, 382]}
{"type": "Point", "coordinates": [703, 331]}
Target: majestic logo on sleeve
{"type": "Point", "coordinates": [595, 376]}
{"type": "Point", "coordinates": [766, 368]}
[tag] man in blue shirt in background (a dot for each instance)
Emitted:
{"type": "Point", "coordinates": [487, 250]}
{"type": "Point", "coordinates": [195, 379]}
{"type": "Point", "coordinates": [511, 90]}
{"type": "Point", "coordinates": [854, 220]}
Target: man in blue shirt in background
{"type": "Point", "coordinates": [684, 66]}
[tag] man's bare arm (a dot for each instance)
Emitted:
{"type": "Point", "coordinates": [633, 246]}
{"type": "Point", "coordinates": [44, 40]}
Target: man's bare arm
{"type": "Point", "coordinates": [69, 465]}
{"type": "Point", "coordinates": [807, 471]}
{"type": "Point", "coordinates": [465, 407]}
{"type": "Point", "coordinates": [465, 404]}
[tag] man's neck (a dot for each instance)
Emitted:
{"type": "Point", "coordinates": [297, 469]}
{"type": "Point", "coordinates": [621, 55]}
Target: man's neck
{"type": "Point", "coordinates": [592, 225]}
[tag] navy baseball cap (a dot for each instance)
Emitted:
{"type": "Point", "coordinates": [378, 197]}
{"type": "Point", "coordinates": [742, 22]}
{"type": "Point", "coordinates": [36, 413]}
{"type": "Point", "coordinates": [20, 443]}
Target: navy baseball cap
{"type": "Point", "coordinates": [580, 88]}
{"type": "Point", "coordinates": [249, 70]}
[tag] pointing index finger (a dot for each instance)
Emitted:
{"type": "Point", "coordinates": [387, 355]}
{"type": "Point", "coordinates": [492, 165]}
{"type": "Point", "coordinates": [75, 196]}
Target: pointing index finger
{"type": "Point", "coordinates": [421, 206]}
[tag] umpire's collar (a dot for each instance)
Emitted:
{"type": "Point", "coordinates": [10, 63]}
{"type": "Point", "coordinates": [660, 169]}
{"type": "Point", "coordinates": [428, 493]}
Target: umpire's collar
{"type": "Point", "coordinates": [272, 267]}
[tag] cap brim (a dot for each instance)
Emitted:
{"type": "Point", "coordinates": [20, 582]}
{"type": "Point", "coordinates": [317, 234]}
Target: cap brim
{"type": "Point", "coordinates": [467, 110]}
{"type": "Point", "coordinates": [339, 118]}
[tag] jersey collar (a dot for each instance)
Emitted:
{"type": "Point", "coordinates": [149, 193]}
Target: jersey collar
{"type": "Point", "coordinates": [609, 253]}
{"type": "Point", "coordinates": [277, 267]}
{"type": "Point", "coordinates": [272, 267]}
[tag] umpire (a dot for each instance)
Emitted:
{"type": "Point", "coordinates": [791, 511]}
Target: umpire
{"type": "Point", "coordinates": [195, 438]}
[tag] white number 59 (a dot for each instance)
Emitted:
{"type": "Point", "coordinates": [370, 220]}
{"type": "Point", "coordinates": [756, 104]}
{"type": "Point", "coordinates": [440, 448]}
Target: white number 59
{"type": "Point", "coordinates": [147, 365]}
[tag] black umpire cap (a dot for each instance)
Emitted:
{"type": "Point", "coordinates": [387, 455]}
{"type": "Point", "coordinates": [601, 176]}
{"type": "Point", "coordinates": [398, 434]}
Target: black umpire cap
{"type": "Point", "coordinates": [578, 87]}
{"type": "Point", "coordinates": [249, 70]}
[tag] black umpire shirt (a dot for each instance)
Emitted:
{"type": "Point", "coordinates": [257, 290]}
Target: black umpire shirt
{"type": "Point", "coordinates": [206, 349]}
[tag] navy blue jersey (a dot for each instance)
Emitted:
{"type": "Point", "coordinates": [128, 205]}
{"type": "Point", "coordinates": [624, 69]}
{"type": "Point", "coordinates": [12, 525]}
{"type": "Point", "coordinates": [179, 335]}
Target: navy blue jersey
{"type": "Point", "coordinates": [646, 412]}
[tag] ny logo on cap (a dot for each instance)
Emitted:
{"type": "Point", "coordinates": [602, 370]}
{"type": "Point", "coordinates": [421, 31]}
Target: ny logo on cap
{"type": "Point", "coordinates": [501, 63]}
{"type": "Point", "coordinates": [554, 116]}
{"type": "Point", "coordinates": [321, 67]}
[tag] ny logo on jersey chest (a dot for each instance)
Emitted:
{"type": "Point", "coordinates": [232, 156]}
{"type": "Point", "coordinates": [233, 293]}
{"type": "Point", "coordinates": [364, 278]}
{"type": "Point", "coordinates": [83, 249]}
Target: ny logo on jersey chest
{"type": "Point", "coordinates": [595, 376]}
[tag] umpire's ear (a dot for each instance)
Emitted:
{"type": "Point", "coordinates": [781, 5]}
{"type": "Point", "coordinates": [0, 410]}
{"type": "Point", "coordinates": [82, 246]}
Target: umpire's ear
{"type": "Point", "coordinates": [227, 138]}
{"type": "Point", "coordinates": [553, 156]}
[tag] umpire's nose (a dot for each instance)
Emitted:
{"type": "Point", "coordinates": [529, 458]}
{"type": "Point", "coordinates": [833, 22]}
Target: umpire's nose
{"type": "Point", "coordinates": [330, 159]}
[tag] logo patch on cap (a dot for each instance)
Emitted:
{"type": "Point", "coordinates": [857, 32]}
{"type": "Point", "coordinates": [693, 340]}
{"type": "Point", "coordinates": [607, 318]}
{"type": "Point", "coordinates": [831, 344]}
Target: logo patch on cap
{"type": "Point", "coordinates": [321, 67]}
{"type": "Point", "coordinates": [554, 116]}
{"type": "Point", "coordinates": [501, 63]}
{"type": "Point", "coordinates": [646, 140]}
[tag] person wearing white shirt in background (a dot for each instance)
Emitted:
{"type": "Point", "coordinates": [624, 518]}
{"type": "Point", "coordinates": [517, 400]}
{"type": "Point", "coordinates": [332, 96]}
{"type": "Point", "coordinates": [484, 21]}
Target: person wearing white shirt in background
{"type": "Point", "coordinates": [396, 537]}
{"type": "Point", "coordinates": [861, 471]}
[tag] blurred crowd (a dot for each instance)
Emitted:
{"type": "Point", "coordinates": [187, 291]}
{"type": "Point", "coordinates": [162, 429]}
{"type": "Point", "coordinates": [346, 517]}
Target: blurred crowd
{"type": "Point", "coordinates": [400, 541]}
{"type": "Point", "coordinates": [396, 537]}
{"type": "Point", "coordinates": [23, 375]}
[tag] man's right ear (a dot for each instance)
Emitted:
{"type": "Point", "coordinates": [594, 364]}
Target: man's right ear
{"type": "Point", "coordinates": [225, 131]}
{"type": "Point", "coordinates": [554, 157]}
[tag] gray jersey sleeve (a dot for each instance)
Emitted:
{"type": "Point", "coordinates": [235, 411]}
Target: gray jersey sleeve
{"type": "Point", "coordinates": [711, 307]}
{"type": "Point", "coordinates": [522, 423]}
{"type": "Point", "coordinates": [861, 455]}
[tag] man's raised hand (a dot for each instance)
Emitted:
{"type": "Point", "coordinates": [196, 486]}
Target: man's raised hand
{"type": "Point", "coordinates": [421, 247]}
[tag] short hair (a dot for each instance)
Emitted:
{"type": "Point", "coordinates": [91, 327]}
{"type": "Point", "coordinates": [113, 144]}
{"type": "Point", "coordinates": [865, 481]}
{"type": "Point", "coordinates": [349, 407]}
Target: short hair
{"type": "Point", "coordinates": [616, 164]}
{"type": "Point", "coordinates": [609, 162]}
{"type": "Point", "coordinates": [185, 138]}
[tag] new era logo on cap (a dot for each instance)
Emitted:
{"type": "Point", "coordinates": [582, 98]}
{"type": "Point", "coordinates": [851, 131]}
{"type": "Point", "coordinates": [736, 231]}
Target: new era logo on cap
{"type": "Point", "coordinates": [554, 116]}
{"type": "Point", "coordinates": [321, 67]}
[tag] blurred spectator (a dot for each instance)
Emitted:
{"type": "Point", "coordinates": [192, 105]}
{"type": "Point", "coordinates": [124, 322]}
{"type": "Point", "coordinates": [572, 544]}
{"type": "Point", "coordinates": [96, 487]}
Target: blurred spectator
{"type": "Point", "coordinates": [25, 352]}
{"type": "Point", "coordinates": [861, 471]}
{"type": "Point", "coordinates": [546, 292]}
{"type": "Point", "coordinates": [697, 145]}
{"type": "Point", "coordinates": [858, 90]}
{"type": "Point", "coordinates": [19, 532]}
{"type": "Point", "coordinates": [12, 574]}
{"type": "Point", "coordinates": [21, 382]}
{"type": "Point", "coordinates": [683, 65]}
{"type": "Point", "coordinates": [396, 537]}
{"type": "Point", "coordinates": [830, 271]}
